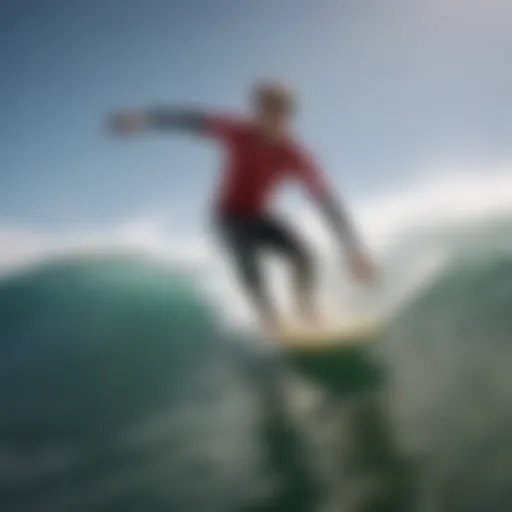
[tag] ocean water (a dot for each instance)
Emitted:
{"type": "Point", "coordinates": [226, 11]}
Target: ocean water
{"type": "Point", "coordinates": [122, 389]}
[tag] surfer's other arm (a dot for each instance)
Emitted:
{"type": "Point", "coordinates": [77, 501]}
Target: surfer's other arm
{"type": "Point", "coordinates": [335, 213]}
{"type": "Point", "coordinates": [177, 119]}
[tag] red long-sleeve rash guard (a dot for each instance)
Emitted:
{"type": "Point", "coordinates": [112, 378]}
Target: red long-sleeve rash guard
{"type": "Point", "coordinates": [253, 167]}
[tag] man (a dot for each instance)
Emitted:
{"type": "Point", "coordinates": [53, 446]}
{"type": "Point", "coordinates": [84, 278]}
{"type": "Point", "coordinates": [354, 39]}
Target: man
{"type": "Point", "coordinates": [260, 153]}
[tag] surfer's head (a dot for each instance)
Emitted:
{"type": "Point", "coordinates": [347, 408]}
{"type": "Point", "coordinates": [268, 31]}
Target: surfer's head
{"type": "Point", "coordinates": [274, 107]}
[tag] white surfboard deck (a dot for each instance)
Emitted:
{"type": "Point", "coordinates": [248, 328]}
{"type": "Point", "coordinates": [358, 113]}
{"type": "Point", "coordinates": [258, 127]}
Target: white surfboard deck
{"type": "Point", "coordinates": [350, 333]}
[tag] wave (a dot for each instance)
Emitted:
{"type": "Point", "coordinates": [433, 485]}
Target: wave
{"type": "Point", "coordinates": [120, 385]}
{"type": "Point", "coordinates": [123, 388]}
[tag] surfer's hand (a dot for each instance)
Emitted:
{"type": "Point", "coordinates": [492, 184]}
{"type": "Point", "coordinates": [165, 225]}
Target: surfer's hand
{"type": "Point", "coordinates": [362, 267]}
{"type": "Point", "coordinates": [126, 122]}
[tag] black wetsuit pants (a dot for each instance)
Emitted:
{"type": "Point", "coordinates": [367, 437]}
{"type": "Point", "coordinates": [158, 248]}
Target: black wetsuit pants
{"type": "Point", "coordinates": [246, 237]}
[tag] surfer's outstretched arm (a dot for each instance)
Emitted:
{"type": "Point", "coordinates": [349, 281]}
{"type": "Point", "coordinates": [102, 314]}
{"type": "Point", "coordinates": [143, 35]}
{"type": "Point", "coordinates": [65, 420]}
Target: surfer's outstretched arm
{"type": "Point", "coordinates": [177, 119]}
{"type": "Point", "coordinates": [132, 121]}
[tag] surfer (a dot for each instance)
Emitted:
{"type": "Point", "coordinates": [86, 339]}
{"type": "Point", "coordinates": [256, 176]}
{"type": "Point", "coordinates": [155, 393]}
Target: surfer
{"type": "Point", "coordinates": [260, 153]}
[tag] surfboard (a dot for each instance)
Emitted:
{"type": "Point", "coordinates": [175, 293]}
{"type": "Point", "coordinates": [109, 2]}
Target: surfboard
{"type": "Point", "coordinates": [347, 334]}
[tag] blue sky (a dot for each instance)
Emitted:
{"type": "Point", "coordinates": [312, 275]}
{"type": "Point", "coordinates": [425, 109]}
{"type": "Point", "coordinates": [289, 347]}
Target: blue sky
{"type": "Point", "coordinates": [387, 88]}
